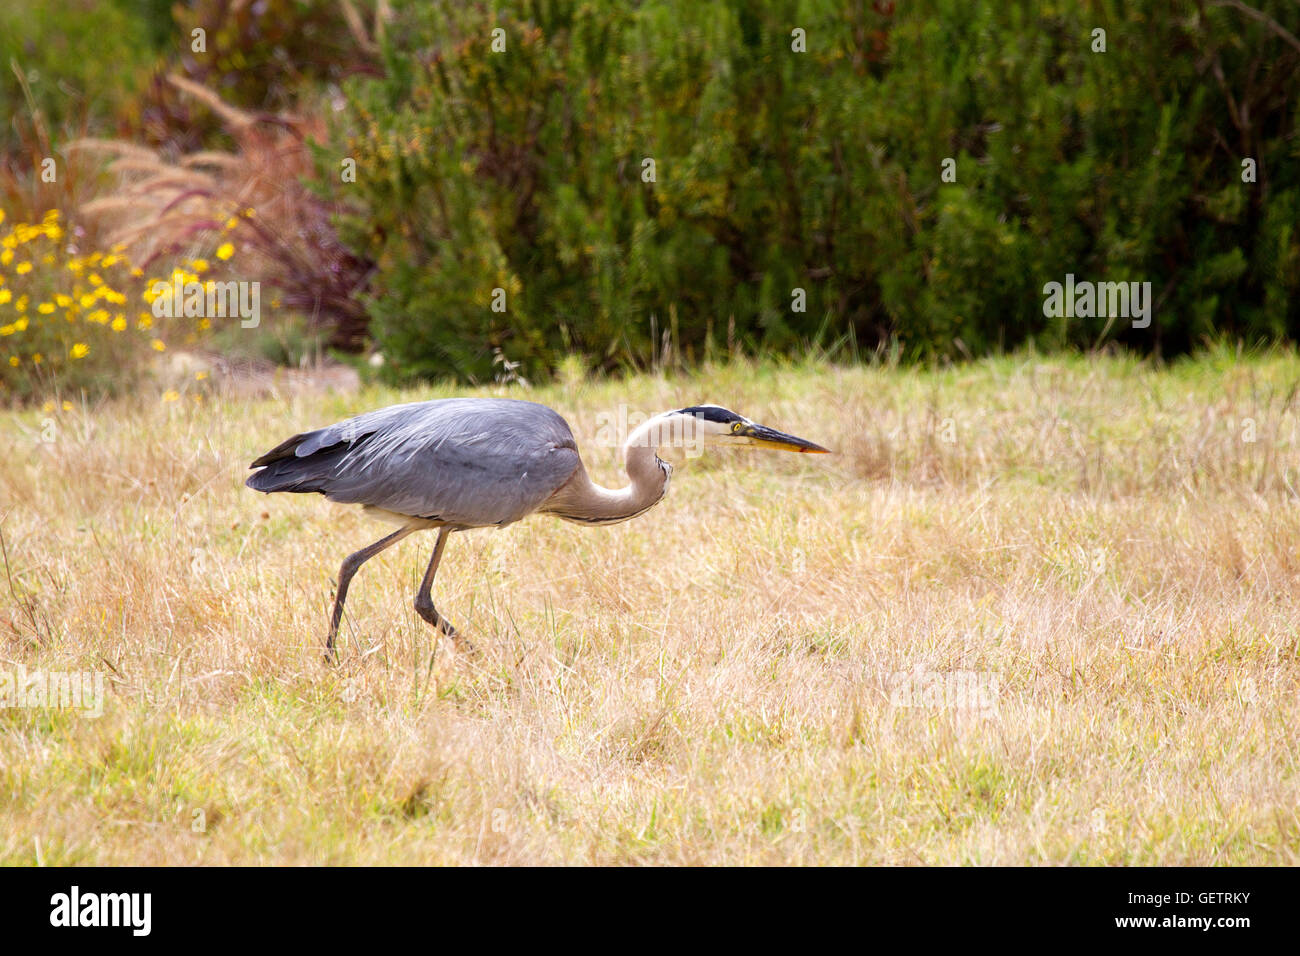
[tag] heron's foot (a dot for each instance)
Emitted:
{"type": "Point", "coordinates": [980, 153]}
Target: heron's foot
{"type": "Point", "coordinates": [463, 643]}
{"type": "Point", "coordinates": [437, 621]}
{"type": "Point", "coordinates": [458, 640]}
{"type": "Point", "coordinates": [446, 629]}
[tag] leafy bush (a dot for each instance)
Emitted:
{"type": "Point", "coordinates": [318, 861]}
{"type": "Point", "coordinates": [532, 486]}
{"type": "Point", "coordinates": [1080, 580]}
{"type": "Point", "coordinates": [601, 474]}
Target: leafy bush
{"type": "Point", "coordinates": [80, 61]}
{"type": "Point", "coordinates": [264, 56]}
{"type": "Point", "coordinates": [775, 170]}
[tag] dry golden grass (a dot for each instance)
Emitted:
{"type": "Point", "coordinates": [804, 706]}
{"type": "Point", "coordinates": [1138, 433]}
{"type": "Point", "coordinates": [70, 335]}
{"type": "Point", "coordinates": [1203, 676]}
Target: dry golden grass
{"type": "Point", "coordinates": [711, 683]}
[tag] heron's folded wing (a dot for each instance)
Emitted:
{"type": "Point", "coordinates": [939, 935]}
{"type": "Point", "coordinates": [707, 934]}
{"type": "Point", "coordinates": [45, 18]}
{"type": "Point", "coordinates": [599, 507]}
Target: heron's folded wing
{"type": "Point", "coordinates": [470, 462]}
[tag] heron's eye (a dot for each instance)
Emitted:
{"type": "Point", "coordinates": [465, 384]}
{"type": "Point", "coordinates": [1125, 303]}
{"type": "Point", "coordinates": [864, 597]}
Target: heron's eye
{"type": "Point", "coordinates": [735, 427]}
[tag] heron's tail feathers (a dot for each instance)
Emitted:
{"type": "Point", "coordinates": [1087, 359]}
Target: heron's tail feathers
{"type": "Point", "coordinates": [281, 451]}
{"type": "Point", "coordinates": [283, 470]}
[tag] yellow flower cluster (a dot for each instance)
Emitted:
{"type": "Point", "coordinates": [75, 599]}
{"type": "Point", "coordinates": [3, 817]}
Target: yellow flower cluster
{"type": "Point", "coordinates": [62, 310]}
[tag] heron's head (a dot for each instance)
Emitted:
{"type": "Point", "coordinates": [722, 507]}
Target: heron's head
{"type": "Point", "coordinates": [715, 425]}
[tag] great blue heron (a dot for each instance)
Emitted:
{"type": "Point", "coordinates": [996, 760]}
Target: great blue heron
{"type": "Point", "coordinates": [463, 463]}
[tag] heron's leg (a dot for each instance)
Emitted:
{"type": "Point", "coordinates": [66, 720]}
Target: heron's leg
{"type": "Point", "coordinates": [424, 597]}
{"type": "Point", "coordinates": [349, 568]}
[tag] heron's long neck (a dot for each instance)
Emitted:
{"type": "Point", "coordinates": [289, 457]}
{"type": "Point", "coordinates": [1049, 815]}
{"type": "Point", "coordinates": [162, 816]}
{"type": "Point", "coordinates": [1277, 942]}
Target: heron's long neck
{"type": "Point", "coordinates": [589, 503]}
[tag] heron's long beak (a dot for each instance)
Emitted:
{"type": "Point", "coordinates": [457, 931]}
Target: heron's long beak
{"type": "Point", "coordinates": [771, 438]}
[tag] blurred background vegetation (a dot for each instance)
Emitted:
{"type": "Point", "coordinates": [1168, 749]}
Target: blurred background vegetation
{"type": "Point", "coordinates": [518, 177]}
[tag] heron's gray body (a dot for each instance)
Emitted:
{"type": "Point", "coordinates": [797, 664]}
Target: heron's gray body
{"type": "Point", "coordinates": [458, 462]}
{"type": "Point", "coordinates": [462, 463]}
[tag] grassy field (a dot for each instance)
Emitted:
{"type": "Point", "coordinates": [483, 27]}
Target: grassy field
{"type": "Point", "coordinates": [1033, 611]}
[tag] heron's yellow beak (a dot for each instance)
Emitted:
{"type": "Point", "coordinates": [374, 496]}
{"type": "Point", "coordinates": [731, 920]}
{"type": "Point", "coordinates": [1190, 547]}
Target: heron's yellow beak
{"type": "Point", "coordinates": [766, 437]}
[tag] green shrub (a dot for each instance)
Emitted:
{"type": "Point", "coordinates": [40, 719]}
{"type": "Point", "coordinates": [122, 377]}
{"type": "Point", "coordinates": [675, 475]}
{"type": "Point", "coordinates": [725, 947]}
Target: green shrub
{"type": "Point", "coordinates": [521, 171]}
{"type": "Point", "coordinates": [267, 56]}
{"type": "Point", "coordinates": [82, 60]}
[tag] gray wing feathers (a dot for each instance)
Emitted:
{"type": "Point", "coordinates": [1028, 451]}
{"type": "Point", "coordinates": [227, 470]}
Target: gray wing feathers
{"type": "Point", "coordinates": [466, 461]}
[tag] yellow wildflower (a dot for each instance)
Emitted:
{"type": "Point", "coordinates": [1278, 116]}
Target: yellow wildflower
{"type": "Point", "coordinates": [23, 268]}
{"type": "Point", "coordinates": [158, 345]}
{"type": "Point", "coordinates": [171, 395]}
{"type": "Point", "coordinates": [225, 251]}
{"type": "Point", "coordinates": [79, 350]}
